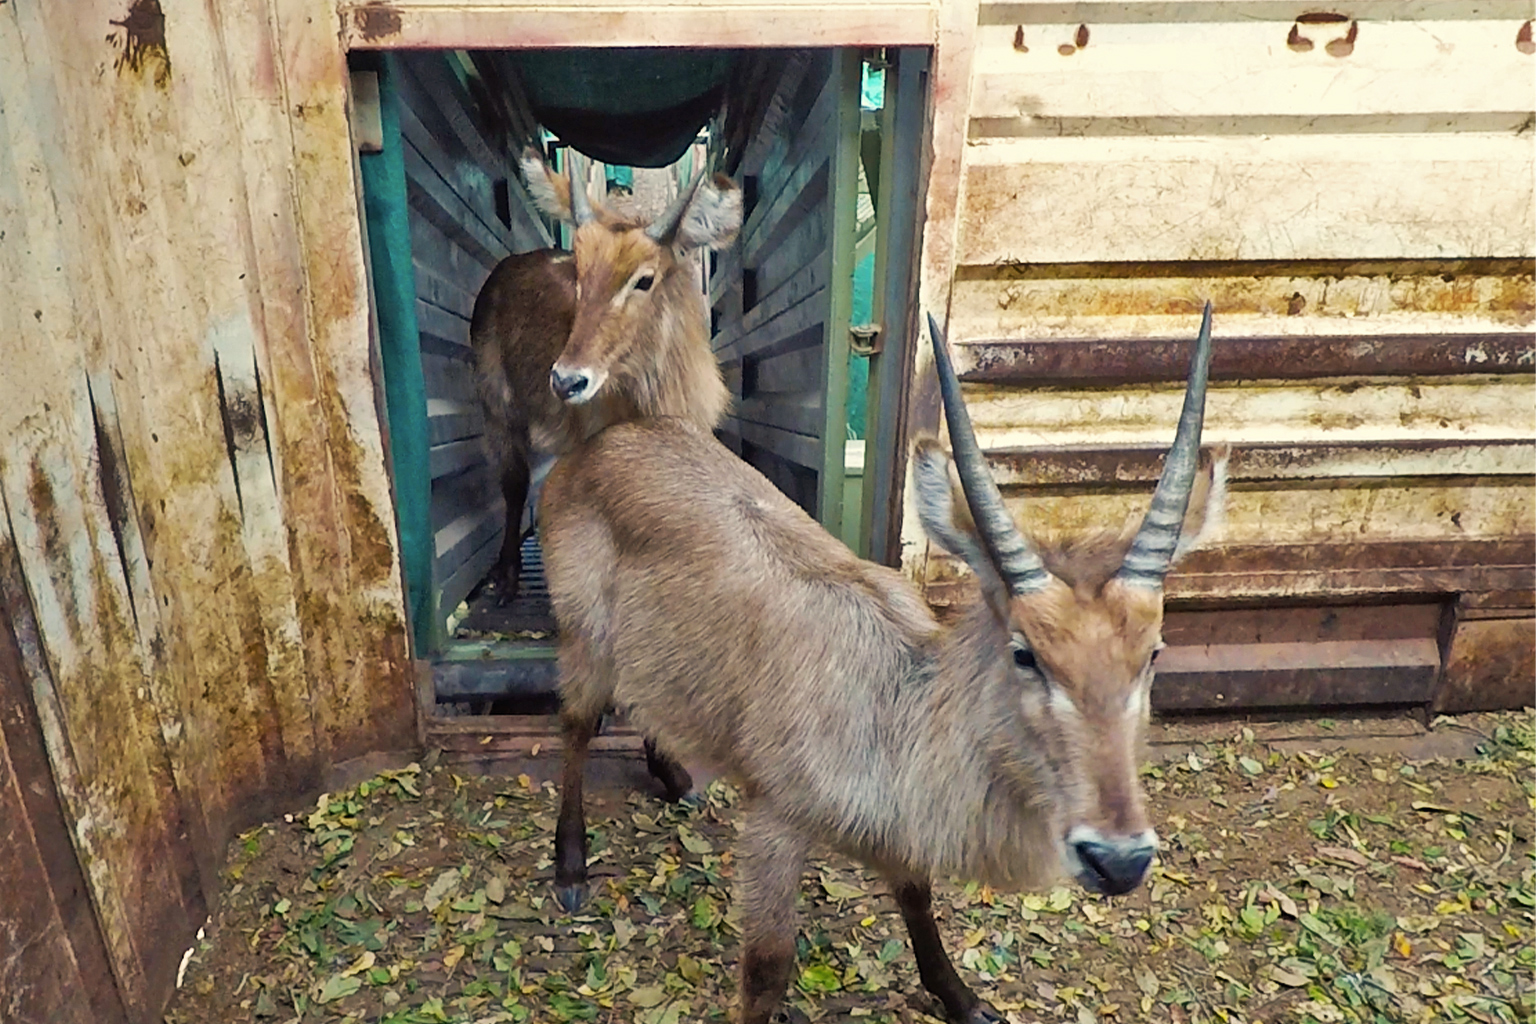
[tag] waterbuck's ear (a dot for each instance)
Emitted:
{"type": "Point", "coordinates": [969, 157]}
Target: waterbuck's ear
{"type": "Point", "coordinates": [550, 192]}
{"type": "Point", "coordinates": [712, 218]}
{"type": "Point", "coordinates": [946, 517]}
{"type": "Point", "coordinates": [1207, 502]}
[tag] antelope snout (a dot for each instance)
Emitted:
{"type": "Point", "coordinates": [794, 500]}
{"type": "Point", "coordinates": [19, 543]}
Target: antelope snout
{"type": "Point", "coordinates": [576, 386]}
{"type": "Point", "coordinates": [1111, 865]}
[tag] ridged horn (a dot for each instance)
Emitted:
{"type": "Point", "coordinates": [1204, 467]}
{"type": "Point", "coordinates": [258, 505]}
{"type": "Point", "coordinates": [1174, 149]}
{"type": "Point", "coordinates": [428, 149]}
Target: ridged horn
{"type": "Point", "coordinates": [1151, 553]}
{"type": "Point", "coordinates": [581, 205]}
{"type": "Point", "coordinates": [1020, 567]}
{"type": "Point", "coordinates": [664, 228]}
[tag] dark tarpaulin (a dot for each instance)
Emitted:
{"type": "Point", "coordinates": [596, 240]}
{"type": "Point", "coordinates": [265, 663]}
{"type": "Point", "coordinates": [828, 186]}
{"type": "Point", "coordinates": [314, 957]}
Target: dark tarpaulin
{"type": "Point", "coordinates": [635, 107]}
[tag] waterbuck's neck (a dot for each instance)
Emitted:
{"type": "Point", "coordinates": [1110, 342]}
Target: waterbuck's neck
{"type": "Point", "coordinates": [972, 797]}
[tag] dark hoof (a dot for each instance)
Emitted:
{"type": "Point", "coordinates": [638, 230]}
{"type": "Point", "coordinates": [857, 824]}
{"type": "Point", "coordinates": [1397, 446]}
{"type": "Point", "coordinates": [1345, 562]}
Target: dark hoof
{"type": "Point", "coordinates": [983, 1014]}
{"type": "Point", "coordinates": [693, 800]}
{"type": "Point", "coordinates": [571, 897]}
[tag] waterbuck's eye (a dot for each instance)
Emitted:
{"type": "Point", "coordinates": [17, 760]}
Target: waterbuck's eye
{"type": "Point", "coordinates": [1024, 658]}
{"type": "Point", "coordinates": [643, 283]}
{"type": "Point", "coordinates": [1155, 654]}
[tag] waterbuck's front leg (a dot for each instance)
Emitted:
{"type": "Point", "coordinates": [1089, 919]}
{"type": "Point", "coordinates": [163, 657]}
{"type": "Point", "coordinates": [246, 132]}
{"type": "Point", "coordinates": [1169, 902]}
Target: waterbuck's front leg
{"type": "Point", "coordinates": [571, 831]}
{"type": "Point", "coordinates": [767, 882]}
{"type": "Point", "coordinates": [961, 1005]}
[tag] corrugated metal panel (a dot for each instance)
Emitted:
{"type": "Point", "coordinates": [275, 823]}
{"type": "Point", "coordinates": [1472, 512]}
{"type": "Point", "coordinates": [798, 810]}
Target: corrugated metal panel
{"type": "Point", "coordinates": [1354, 194]}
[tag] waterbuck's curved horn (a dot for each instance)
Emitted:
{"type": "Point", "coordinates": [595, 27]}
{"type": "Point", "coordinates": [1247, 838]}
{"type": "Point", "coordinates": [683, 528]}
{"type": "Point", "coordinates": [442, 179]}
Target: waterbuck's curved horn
{"type": "Point", "coordinates": [1017, 563]}
{"type": "Point", "coordinates": [1151, 553]}
{"type": "Point", "coordinates": [664, 228]}
{"type": "Point", "coordinates": [581, 205]}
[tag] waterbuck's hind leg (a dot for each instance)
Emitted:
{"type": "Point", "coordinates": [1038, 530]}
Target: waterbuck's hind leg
{"type": "Point", "coordinates": [571, 832]}
{"type": "Point", "coordinates": [509, 564]}
{"type": "Point", "coordinates": [674, 778]}
{"type": "Point", "coordinates": [961, 1005]}
{"type": "Point", "coordinates": [772, 856]}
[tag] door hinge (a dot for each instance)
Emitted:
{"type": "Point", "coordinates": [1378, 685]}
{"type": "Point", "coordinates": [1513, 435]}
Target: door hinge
{"type": "Point", "coordinates": [865, 339]}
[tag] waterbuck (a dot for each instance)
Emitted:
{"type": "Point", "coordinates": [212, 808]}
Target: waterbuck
{"type": "Point", "coordinates": [566, 343]}
{"type": "Point", "coordinates": [742, 635]}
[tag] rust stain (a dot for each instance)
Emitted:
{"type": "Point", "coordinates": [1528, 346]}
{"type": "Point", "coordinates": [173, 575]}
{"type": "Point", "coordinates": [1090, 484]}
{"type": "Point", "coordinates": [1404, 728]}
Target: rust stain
{"type": "Point", "coordinates": [1523, 41]}
{"type": "Point", "coordinates": [1490, 665]}
{"type": "Point", "coordinates": [1344, 47]}
{"type": "Point", "coordinates": [55, 547]}
{"type": "Point", "coordinates": [375, 22]}
{"type": "Point", "coordinates": [1018, 39]}
{"type": "Point", "coordinates": [140, 40]}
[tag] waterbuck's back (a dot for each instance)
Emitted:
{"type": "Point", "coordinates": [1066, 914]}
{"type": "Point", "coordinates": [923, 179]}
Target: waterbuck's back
{"type": "Point", "coordinates": [520, 322]}
{"type": "Point", "coordinates": [738, 632]}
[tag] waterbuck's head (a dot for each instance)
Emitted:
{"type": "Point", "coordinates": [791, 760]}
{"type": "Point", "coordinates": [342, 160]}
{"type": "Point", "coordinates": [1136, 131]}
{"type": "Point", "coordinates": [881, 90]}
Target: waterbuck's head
{"type": "Point", "coordinates": [1080, 622]}
{"type": "Point", "coordinates": [635, 281]}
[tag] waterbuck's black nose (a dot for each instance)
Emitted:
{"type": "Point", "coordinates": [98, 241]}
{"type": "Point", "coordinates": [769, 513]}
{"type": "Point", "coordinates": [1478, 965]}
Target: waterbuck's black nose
{"type": "Point", "coordinates": [1112, 869]}
{"type": "Point", "coordinates": [568, 387]}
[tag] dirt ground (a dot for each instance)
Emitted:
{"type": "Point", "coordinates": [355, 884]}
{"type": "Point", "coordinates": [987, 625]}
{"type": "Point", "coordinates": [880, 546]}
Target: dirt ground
{"type": "Point", "coordinates": [1300, 881]}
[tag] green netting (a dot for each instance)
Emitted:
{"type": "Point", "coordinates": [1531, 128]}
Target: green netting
{"type": "Point", "coordinates": [637, 107]}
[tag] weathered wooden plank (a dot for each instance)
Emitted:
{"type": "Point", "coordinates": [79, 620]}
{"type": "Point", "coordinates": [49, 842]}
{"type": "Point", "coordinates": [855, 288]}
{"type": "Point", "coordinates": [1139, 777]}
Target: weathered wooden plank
{"type": "Point", "coordinates": [1102, 465]}
{"type": "Point", "coordinates": [50, 941]}
{"type": "Point", "coordinates": [434, 93]}
{"type": "Point", "coordinates": [431, 198]}
{"type": "Point", "coordinates": [448, 294]}
{"type": "Point", "coordinates": [801, 449]}
{"type": "Point", "coordinates": [456, 587]}
{"type": "Point", "coordinates": [798, 371]}
{"type": "Point", "coordinates": [800, 188]}
{"type": "Point", "coordinates": [356, 594]}
{"type": "Point", "coordinates": [1253, 299]}
{"type": "Point", "coordinates": [456, 456]}
{"type": "Point", "coordinates": [449, 329]}
{"type": "Point", "coordinates": [1301, 412]}
{"type": "Point", "coordinates": [1315, 674]}
{"type": "Point", "coordinates": [454, 24]}
{"type": "Point", "coordinates": [801, 414]}
{"type": "Point", "coordinates": [735, 339]}
{"type": "Point", "coordinates": [449, 378]}
{"type": "Point", "coordinates": [1172, 78]}
{"type": "Point", "coordinates": [805, 243]}
{"type": "Point", "coordinates": [471, 184]}
{"type": "Point", "coordinates": [1120, 361]}
{"type": "Point", "coordinates": [1054, 200]}
{"type": "Point", "coordinates": [792, 329]}
{"type": "Point", "coordinates": [472, 488]}
{"type": "Point", "coordinates": [448, 420]}
{"type": "Point", "coordinates": [469, 531]}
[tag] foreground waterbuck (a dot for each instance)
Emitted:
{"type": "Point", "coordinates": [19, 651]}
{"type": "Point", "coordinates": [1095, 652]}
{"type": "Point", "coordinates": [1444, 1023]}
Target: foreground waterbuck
{"type": "Point", "coordinates": [566, 343]}
{"type": "Point", "coordinates": [742, 635]}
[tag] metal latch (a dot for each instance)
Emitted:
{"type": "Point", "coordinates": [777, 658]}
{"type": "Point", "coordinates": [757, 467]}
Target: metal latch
{"type": "Point", "coordinates": [865, 339]}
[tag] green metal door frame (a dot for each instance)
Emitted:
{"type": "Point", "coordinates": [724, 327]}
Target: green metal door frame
{"type": "Point", "coordinates": [842, 200]}
{"type": "Point", "coordinates": [405, 394]}
{"type": "Point", "coordinates": [898, 214]}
